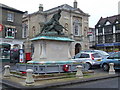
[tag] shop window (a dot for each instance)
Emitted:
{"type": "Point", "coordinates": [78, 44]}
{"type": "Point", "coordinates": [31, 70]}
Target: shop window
{"type": "Point", "coordinates": [10, 32]}
{"type": "Point", "coordinates": [10, 16]}
{"type": "Point", "coordinates": [5, 51]}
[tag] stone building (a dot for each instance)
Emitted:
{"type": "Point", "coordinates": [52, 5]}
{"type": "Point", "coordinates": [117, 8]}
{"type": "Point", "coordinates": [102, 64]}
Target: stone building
{"type": "Point", "coordinates": [72, 18]}
{"type": "Point", "coordinates": [10, 28]}
{"type": "Point", "coordinates": [108, 33]}
{"type": "Point", "coordinates": [91, 35]}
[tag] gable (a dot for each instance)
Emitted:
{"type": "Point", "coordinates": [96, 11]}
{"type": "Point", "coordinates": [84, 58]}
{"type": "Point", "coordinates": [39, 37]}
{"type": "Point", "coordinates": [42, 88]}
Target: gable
{"type": "Point", "coordinates": [107, 23]}
{"type": "Point", "coordinates": [116, 22]}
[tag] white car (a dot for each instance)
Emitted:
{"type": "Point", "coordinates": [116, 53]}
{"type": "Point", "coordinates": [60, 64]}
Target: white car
{"type": "Point", "coordinates": [103, 54]}
{"type": "Point", "coordinates": [90, 58]}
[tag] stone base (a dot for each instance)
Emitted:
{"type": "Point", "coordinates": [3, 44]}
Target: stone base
{"type": "Point", "coordinates": [29, 84]}
{"type": "Point", "coordinates": [51, 48]}
{"type": "Point", "coordinates": [111, 72]}
{"type": "Point", "coordinates": [6, 77]}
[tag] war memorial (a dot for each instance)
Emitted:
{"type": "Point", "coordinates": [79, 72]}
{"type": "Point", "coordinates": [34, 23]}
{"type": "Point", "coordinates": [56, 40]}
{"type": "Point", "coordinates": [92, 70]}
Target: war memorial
{"type": "Point", "coordinates": [52, 50]}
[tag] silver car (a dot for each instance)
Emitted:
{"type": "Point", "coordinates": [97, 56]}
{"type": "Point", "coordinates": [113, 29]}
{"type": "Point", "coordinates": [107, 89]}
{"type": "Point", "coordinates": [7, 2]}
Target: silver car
{"type": "Point", "coordinates": [90, 58]}
{"type": "Point", "coordinates": [103, 54]}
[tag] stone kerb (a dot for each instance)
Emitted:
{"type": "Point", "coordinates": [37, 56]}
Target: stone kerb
{"type": "Point", "coordinates": [111, 70]}
{"type": "Point", "coordinates": [29, 79]}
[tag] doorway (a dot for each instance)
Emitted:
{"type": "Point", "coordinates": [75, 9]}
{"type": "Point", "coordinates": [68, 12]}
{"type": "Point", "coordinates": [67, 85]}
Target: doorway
{"type": "Point", "coordinates": [77, 48]}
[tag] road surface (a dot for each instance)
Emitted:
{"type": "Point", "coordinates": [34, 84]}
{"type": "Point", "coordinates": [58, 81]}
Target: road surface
{"type": "Point", "coordinates": [106, 83]}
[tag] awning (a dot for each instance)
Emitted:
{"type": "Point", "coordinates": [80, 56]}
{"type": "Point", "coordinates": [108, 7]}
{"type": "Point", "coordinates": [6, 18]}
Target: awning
{"type": "Point", "coordinates": [5, 45]}
{"type": "Point", "coordinates": [108, 44]}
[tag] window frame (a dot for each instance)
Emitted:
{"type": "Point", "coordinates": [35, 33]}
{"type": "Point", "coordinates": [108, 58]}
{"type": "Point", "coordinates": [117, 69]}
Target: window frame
{"type": "Point", "coordinates": [109, 38]}
{"type": "Point", "coordinates": [24, 30]}
{"type": "Point", "coordinates": [117, 26]}
{"type": "Point", "coordinates": [76, 28]}
{"type": "Point", "coordinates": [10, 16]}
{"type": "Point", "coordinates": [8, 32]}
{"type": "Point", "coordinates": [108, 29]}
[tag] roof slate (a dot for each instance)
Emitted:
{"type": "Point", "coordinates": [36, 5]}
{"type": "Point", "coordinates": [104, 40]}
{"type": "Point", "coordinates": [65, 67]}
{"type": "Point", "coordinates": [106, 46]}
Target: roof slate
{"type": "Point", "coordinates": [62, 7]}
{"type": "Point", "coordinates": [66, 7]}
{"type": "Point", "coordinates": [111, 19]}
{"type": "Point", "coordinates": [9, 8]}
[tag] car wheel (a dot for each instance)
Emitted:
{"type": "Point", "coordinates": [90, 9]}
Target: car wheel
{"type": "Point", "coordinates": [88, 65]}
{"type": "Point", "coordinates": [105, 67]}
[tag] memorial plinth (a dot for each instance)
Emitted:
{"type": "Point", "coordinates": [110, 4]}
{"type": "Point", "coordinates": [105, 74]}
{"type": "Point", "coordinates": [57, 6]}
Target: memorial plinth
{"type": "Point", "coordinates": [51, 48]}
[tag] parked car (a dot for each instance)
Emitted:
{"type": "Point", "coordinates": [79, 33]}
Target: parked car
{"type": "Point", "coordinates": [103, 54]}
{"type": "Point", "coordinates": [113, 58]}
{"type": "Point", "coordinates": [110, 53]}
{"type": "Point", "coordinates": [90, 58]}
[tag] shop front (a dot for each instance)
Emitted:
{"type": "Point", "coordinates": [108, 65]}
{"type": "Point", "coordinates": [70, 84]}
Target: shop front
{"type": "Point", "coordinates": [109, 47]}
{"type": "Point", "coordinates": [10, 50]}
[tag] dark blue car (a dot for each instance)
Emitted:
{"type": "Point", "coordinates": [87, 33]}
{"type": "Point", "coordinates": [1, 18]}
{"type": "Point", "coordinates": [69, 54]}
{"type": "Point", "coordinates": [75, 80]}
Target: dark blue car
{"type": "Point", "coordinates": [114, 58]}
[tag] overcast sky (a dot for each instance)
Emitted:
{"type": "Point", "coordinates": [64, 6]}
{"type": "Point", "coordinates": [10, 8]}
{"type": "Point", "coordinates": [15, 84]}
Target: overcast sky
{"type": "Point", "coordinates": [95, 8]}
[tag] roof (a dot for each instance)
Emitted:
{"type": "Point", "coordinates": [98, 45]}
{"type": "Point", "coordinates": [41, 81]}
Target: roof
{"type": "Point", "coordinates": [63, 7]}
{"type": "Point", "coordinates": [68, 8]}
{"type": "Point", "coordinates": [10, 8]}
{"type": "Point", "coordinates": [51, 38]}
{"type": "Point", "coordinates": [111, 19]}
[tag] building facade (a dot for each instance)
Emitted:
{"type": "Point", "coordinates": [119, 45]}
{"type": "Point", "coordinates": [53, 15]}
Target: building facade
{"type": "Point", "coordinates": [72, 18]}
{"type": "Point", "coordinates": [91, 35]}
{"type": "Point", "coordinates": [108, 33]}
{"type": "Point", "coordinates": [10, 28]}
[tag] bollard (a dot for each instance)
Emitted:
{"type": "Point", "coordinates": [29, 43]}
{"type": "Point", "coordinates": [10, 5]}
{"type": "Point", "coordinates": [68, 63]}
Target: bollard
{"type": "Point", "coordinates": [29, 79]}
{"type": "Point", "coordinates": [7, 71]}
{"type": "Point", "coordinates": [79, 71]}
{"type": "Point", "coordinates": [111, 70]}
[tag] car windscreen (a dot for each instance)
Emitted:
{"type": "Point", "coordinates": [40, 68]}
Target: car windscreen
{"type": "Point", "coordinates": [116, 55]}
{"type": "Point", "coordinates": [102, 52]}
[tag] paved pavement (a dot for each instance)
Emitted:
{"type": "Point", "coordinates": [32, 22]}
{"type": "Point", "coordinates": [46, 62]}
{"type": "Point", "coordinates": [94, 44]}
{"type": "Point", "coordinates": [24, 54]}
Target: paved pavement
{"type": "Point", "coordinates": [18, 82]}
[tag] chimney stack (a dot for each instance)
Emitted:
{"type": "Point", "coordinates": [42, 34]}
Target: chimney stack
{"type": "Point", "coordinates": [119, 7]}
{"type": "Point", "coordinates": [41, 7]}
{"type": "Point", "coordinates": [75, 4]}
{"type": "Point", "coordinates": [25, 14]}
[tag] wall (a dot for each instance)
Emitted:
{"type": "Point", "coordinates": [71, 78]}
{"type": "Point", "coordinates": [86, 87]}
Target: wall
{"type": "Point", "coordinates": [17, 23]}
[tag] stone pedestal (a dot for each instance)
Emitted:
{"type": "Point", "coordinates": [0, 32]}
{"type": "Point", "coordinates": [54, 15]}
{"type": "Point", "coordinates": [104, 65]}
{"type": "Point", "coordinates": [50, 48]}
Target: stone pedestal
{"type": "Point", "coordinates": [51, 48]}
{"type": "Point", "coordinates": [29, 79]}
{"type": "Point", "coordinates": [7, 71]}
{"type": "Point", "coordinates": [111, 70]}
{"type": "Point", "coordinates": [79, 71]}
